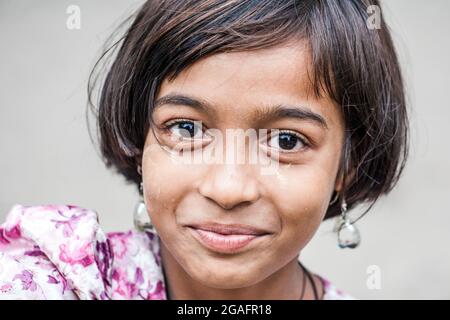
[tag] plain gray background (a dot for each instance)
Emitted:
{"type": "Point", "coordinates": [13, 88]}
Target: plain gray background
{"type": "Point", "coordinates": [47, 156]}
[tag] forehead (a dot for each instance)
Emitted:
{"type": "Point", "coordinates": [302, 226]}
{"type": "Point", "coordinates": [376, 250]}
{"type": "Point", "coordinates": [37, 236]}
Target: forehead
{"type": "Point", "coordinates": [237, 83]}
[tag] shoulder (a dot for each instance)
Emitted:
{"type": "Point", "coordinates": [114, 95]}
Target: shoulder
{"type": "Point", "coordinates": [137, 271]}
{"type": "Point", "coordinates": [60, 251]}
{"type": "Point", "coordinates": [52, 251]}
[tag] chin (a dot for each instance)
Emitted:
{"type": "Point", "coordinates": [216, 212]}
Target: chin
{"type": "Point", "coordinates": [222, 275]}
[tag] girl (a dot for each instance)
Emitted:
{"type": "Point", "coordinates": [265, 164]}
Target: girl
{"type": "Point", "coordinates": [308, 88]}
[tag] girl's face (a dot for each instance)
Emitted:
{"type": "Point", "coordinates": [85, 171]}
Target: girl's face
{"type": "Point", "coordinates": [230, 224]}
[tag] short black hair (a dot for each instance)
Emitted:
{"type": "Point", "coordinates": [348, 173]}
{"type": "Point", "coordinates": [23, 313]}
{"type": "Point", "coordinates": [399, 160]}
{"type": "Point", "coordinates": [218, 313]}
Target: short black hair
{"type": "Point", "coordinates": [355, 65]}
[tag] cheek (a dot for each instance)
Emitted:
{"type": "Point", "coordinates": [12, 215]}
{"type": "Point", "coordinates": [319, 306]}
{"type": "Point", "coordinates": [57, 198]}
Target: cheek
{"type": "Point", "coordinates": [166, 183]}
{"type": "Point", "coordinates": [301, 195]}
{"type": "Point", "coordinates": [160, 186]}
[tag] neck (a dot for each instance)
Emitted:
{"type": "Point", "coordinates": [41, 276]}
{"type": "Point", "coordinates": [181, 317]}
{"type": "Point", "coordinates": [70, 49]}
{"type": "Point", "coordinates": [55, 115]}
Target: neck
{"type": "Point", "coordinates": [289, 282]}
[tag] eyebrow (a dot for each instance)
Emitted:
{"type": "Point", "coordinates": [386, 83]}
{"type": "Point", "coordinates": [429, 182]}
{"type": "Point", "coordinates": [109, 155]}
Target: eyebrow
{"type": "Point", "coordinates": [183, 100]}
{"type": "Point", "coordinates": [264, 114]}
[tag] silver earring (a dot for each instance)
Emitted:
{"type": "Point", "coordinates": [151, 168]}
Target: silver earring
{"type": "Point", "coordinates": [141, 217]}
{"type": "Point", "coordinates": [347, 233]}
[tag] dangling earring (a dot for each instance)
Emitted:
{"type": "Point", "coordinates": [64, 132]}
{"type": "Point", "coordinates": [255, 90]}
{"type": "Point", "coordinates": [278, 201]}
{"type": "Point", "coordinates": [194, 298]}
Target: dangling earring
{"type": "Point", "coordinates": [141, 217]}
{"type": "Point", "coordinates": [347, 233]}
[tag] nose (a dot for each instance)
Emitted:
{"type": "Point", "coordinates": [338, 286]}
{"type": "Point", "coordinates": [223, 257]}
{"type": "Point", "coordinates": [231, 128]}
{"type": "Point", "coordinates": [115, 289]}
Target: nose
{"type": "Point", "coordinates": [229, 185]}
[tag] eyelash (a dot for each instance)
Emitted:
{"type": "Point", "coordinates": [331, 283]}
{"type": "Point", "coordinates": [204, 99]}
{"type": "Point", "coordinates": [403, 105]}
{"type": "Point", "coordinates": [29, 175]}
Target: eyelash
{"type": "Point", "coordinates": [299, 136]}
{"type": "Point", "coordinates": [169, 124]}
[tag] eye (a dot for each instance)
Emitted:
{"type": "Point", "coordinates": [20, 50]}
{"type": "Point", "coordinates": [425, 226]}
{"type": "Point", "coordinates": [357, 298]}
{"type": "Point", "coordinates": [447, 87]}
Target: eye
{"type": "Point", "coordinates": [287, 141]}
{"type": "Point", "coordinates": [185, 128]}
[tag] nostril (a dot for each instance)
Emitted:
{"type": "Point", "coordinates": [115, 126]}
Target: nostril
{"type": "Point", "coordinates": [237, 205]}
{"type": "Point", "coordinates": [229, 205]}
{"type": "Point", "coordinates": [227, 189]}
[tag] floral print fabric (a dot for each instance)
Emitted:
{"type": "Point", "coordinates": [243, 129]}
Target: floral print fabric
{"type": "Point", "coordinates": [60, 252]}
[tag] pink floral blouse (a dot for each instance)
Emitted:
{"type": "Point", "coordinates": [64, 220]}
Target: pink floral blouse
{"type": "Point", "coordinates": [60, 252]}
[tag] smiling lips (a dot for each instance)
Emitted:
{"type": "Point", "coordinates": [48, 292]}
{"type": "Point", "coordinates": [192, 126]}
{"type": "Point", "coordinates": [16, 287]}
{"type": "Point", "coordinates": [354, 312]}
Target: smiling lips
{"type": "Point", "coordinates": [226, 238]}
